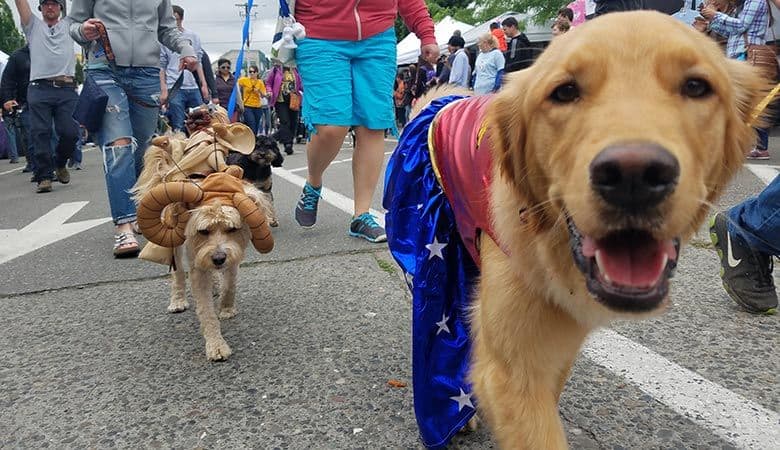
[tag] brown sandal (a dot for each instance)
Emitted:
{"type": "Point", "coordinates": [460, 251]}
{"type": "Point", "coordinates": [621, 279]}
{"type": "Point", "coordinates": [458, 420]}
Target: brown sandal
{"type": "Point", "coordinates": [125, 245]}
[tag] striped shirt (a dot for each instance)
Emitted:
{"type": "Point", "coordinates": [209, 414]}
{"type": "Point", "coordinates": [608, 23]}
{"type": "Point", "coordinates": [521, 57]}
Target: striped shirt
{"type": "Point", "coordinates": [752, 20]}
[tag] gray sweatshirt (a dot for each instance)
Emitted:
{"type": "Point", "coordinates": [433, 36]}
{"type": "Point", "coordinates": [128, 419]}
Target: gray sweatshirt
{"type": "Point", "coordinates": [134, 28]}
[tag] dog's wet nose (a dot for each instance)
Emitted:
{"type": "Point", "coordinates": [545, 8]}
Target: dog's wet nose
{"type": "Point", "coordinates": [218, 258]}
{"type": "Point", "coordinates": [634, 176]}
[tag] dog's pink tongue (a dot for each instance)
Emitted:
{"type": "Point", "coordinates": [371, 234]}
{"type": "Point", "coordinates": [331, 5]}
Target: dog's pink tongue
{"type": "Point", "coordinates": [636, 264]}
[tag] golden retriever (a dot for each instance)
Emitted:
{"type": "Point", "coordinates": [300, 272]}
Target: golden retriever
{"type": "Point", "coordinates": [607, 154]}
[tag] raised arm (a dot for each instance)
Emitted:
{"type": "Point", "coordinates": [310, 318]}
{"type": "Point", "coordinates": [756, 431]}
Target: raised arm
{"type": "Point", "coordinates": [25, 14]}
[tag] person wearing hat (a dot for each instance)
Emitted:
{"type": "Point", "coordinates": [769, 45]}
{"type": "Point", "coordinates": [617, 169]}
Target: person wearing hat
{"type": "Point", "coordinates": [460, 70]}
{"type": "Point", "coordinates": [51, 93]}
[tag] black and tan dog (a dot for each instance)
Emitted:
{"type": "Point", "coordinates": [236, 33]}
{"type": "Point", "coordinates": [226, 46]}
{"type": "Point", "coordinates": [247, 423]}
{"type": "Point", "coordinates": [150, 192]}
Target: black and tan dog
{"type": "Point", "coordinates": [257, 168]}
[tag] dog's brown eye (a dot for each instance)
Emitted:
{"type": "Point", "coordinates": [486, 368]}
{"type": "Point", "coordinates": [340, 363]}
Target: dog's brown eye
{"type": "Point", "coordinates": [696, 88]}
{"type": "Point", "coordinates": [204, 232]}
{"type": "Point", "coordinates": [565, 93]}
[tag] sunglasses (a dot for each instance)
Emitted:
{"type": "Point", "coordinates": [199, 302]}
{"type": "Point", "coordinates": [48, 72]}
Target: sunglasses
{"type": "Point", "coordinates": [224, 67]}
{"type": "Point", "coordinates": [252, 71]}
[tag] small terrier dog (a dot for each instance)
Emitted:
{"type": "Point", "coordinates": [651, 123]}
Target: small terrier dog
{"type": "Point", "coordinates": [215, 238]}
{"type": "Point", "coordinates": [257, 169]}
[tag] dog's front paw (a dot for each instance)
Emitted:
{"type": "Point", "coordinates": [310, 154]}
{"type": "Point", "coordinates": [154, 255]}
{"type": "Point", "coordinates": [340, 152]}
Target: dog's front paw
{"type": "Point", "coordinates": [472, 425]}
{"type": "Point", "coordinates": [227, 313]}
{"type": "Point", "coordinates": [178, 306]}
{"type": "Point", "coordinates": [218, 350]}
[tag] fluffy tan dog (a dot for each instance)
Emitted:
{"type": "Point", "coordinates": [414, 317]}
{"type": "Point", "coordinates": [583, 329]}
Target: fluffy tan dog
{"type": "Point", "coordinates": [606, 155]}
{"type": "Point", "coordinates": [209, 225]}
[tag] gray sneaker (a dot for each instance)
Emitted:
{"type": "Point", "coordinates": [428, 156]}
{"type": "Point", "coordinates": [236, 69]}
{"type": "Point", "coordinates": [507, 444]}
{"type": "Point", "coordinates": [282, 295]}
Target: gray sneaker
{"type": "Point", "coordinates": [365, 226]}
{"type": "Point", "coordinates": [62, 175]}
{"type": "Point", "coordinates": [306, 209]}
{"type": "Point", "coordinates": [746, 273]}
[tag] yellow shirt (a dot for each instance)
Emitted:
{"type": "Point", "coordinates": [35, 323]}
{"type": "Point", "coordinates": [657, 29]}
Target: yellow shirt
{"type": "Point", "coordinates": [251, 90]}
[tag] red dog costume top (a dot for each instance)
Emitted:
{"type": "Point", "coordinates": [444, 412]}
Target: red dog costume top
{"type": "Point", "coordinates": [460, 148]}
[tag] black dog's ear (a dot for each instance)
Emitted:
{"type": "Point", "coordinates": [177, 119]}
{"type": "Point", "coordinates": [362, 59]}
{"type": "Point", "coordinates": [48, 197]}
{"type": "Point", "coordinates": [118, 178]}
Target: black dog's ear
{"type": "Point", "coordinates": [233, 158]}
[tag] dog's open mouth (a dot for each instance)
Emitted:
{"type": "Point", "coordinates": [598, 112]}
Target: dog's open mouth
{"type": "Point", "coordinates": [626, 270]}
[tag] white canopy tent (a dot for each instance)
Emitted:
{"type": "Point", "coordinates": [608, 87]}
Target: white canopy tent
{"type": "Point", "coordinates": [534, 31]}
{"type": "Point", "coordinates": [408, 49]}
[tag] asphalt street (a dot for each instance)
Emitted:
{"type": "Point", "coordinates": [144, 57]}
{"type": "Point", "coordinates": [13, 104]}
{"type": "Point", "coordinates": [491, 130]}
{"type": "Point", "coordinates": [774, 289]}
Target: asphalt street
{"type": "Point", "coordinates": [90, 358]}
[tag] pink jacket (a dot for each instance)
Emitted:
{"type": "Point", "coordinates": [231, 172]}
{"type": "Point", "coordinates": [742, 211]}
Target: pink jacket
{"type": "Point", "coordinates": [355, 20]}
{"type": "Point", "coordinates": [273, 82]}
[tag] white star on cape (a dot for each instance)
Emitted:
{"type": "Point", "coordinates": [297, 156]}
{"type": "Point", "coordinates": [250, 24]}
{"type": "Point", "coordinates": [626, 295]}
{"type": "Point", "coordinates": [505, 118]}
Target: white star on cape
{"type": "Point", "coordinates": [435, 248]}
{"type": "Point", "coordinates": [463, 399]}
{"type": "Point", "coordinates": [443, 324]}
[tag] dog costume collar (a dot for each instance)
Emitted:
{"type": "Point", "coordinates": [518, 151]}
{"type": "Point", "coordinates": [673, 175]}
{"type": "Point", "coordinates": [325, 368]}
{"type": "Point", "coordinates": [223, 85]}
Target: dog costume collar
{"type": "Point", "coordinates": [462, 160]}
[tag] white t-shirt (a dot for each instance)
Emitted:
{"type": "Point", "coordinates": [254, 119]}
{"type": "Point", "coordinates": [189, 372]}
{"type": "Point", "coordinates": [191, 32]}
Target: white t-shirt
{"type": "Point", "coordinates": [51, 49]}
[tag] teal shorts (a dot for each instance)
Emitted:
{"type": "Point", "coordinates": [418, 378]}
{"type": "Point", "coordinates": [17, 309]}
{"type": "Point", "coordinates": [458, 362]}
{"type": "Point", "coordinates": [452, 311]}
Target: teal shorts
{"type": "Point", "coordinates": [348, 83]}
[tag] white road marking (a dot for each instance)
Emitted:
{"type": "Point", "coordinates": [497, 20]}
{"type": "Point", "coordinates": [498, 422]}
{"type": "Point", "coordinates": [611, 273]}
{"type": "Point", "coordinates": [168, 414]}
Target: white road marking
{"type": "Point", "coordinates": [333, 198]}
{"type": "Point", "coordinates": [731, 416]}
{"type": "Point", "coordinates": [337, 161]}
{"type": "Point", "coordinates": [45, 230]}
{"type": "Point", "coordinates": [85, 148]}
{"type": "Point", "coordinates": [765, 172]}
{"type": "Point", "coordinates": [12, 170]}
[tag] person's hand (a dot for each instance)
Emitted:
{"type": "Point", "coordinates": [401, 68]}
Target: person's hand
{"type": "Point", "coordinates": [204, 91]}
{"type": "Point", "coordinates": [89, 30]}
{"type": "Point", "coordinates": [430, 53]}
{"type": "Point", "coordinates": [9, 105]}
{"type": "Point", "coordinates": [700, 24]}
{"type": "Point", "coordinates": [163, 97]}
{"type": "Point", "coordinates": [188, 62]}
{"type": "Point", "coordinates": [708, 12]}
{"type": "Point", "coordinates": [215, 100]}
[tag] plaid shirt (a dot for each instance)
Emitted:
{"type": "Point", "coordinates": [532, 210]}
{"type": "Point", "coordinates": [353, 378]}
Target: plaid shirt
{"type": "Point", "coordinates": [752, 20]}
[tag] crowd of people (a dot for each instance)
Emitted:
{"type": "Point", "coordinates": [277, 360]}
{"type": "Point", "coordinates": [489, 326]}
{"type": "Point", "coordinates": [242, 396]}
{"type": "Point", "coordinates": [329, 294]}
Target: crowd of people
{"type": "Point", "coordinates": [348, 69]}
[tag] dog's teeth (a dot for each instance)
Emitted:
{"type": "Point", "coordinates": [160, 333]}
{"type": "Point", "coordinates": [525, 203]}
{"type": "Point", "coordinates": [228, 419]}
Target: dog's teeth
{"type": "Point", "coordinates": [600, 265]}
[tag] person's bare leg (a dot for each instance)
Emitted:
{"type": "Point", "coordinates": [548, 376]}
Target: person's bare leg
{"type": "Point", "coordinates": [366, 166]}
{"type": "Point", "coordinates": [322, 150]}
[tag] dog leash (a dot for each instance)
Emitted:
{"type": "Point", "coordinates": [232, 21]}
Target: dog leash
{"type": "Point", "coordinates": [763, 104]}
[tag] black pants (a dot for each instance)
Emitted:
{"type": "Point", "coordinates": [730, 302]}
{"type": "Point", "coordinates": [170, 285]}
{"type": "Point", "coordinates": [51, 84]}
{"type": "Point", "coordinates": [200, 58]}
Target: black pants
{"type": "Point", "coordinates": [49, 104]}
{"type": "Point", "coordinates": [288, 123]}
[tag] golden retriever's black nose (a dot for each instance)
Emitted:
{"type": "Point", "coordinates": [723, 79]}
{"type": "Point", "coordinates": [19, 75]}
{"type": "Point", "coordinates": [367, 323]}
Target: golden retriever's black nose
{"type": "Point", "coordinates": [634, 176]}
{"type": "Point", "coordinates": [218, 258]}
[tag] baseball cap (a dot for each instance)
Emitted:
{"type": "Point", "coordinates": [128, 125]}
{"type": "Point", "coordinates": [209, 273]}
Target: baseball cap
{"type": "Point", "coordinates": [456, 41]}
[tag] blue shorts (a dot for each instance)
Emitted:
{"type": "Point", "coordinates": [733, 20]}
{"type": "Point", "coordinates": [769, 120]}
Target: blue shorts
{"type": "Point", "coordinates": [348, 83]}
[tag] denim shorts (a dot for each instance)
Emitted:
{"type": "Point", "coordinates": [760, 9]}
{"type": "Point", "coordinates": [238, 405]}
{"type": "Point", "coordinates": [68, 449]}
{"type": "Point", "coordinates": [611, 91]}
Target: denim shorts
{"type": "Point", "coordinates": [348, 83]}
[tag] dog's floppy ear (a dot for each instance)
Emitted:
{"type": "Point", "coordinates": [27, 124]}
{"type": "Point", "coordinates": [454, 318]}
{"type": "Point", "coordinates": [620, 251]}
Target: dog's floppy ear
{"type": "Point", "coordinates": [750, 89]}
{"type": "Point", "coordinates": [508, 133]}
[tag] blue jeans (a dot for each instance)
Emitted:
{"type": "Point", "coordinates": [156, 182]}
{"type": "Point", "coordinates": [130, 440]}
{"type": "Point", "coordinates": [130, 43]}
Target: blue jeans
{"type": "Point", "coordinates": [265, 120]}
{"type": "Point", "coordinates": [77, 153]}
{"type": "Point", "coordinates": [252, 117]}
{"type": "Point", "coordinates": [49, 104]}
{"type": "Point", "coordinates": [13, 152]}
{"type": "Point", "coordinates": [132, 112]}
{"type": "Point", "coordinates": [757, 219]}
{"type": "Point", "coordinates": [178, 106]}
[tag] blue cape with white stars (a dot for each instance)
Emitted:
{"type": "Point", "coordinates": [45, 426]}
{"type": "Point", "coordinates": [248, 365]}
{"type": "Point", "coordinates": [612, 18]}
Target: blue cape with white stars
{"type": "Point", "coordinates": [424, 240]}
